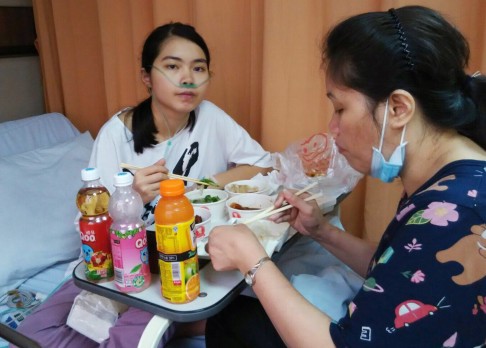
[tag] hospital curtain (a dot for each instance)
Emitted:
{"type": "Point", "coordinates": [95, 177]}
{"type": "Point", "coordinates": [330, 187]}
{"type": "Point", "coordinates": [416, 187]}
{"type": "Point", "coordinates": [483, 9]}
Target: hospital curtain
{"type": "Point", "coordinates": [265, 59]}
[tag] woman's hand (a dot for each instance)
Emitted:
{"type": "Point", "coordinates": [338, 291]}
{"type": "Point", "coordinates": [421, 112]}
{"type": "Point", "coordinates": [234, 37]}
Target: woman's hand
{"type": "Point", "coordinates": [147, 180]}
{"type": "Point", "coordinates": [234, 247]}
{"type": "Point", "coordinates": [305, 217]}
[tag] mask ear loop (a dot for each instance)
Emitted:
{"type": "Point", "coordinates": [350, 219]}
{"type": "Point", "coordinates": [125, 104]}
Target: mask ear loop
{"type": "Point", "coordinates": [383, 127]}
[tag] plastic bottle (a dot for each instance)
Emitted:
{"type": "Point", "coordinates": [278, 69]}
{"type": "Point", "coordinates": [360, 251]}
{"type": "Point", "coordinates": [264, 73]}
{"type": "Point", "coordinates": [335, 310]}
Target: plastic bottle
{"type": "Point", "coordinates": [94, 224]}
{"type": "Point", "coordinates": [128, 237]}
{"type": "Point", "coordinates": [176, 244]}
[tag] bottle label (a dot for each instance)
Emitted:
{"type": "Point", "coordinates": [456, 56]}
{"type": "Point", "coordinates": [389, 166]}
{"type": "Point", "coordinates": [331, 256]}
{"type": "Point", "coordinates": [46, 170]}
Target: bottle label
{"type": "Point", "coordinates": [178, 261]}
{"type": "Point", "coordinates": [130, 258]}
{"type": "Point", "coordinates": [96, 248]}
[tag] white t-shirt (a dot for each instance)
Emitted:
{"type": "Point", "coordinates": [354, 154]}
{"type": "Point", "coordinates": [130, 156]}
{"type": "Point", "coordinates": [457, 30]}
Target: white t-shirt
{"type": "Point", "coordinates": [215, 144]}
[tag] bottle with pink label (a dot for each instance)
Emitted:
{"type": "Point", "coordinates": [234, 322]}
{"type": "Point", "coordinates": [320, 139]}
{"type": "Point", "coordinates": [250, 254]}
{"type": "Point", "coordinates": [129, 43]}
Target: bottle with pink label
{"type": "Point", "coordinates": [128, 237]}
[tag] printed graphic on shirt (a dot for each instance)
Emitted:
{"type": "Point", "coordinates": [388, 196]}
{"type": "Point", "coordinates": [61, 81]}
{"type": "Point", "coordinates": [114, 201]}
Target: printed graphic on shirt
{"type": "Point", "coordinates": [371, 285]}
{"type": "Point", "coordinates": [410, 311]}
{"type": "Point", "coordinates": [416, 277]}
{"type": "Point", "coordinates": [480, 306]}
{"type": "Point", "coordinates": [437, 213]}
{"type": "Point", "coordinates": [470, 252]}
{"type": "Point", "coordinates": [450, 342]}
{"type": "Point", "coordinates": [438, 185]}
{"type": "Point", "coordinates": [187, 160]}
{"type": "Point", "coordinates": [365, 333]}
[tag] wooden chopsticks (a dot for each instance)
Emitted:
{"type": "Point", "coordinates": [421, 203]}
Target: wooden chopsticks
{"type": "Point", "coordinates": [275, 211]}
{"type": "Point", "coordinates": [170, 175]}
{"type": "Point", "coordinates": [269, 209]}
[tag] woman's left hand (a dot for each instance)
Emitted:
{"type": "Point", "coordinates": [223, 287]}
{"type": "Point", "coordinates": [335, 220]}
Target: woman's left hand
{"type": "Point", "coordinates": [234, 247]}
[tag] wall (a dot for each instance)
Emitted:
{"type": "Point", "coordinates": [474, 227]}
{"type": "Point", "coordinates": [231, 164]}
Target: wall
{"type": "Point", "coordinates": [21, 92]}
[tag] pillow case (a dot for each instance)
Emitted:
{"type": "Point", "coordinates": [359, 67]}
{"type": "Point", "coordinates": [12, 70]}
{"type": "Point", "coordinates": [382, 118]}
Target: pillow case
{"type": "Point", "coordinates": [37, 208]}
{"type": "Point", "coordinates": [35, 132]}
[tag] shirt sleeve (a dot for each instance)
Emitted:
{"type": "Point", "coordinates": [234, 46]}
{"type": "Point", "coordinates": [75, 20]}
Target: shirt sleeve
{"type": "Point", "coordinates": [242, 148]}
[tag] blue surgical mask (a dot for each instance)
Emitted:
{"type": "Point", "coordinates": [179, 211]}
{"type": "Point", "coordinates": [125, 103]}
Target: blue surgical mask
{"type": "Point", "coordinates": [384, 170]}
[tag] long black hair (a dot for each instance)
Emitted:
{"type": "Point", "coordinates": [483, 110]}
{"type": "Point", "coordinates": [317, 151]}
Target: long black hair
{"type": "Point", "coordinates": [143, 125]}
{"type": "Point", "coordinates": [412, 48]}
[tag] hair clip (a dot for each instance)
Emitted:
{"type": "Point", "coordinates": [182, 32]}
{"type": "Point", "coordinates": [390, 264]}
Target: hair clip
{"type": "Point", "coordinates": [403, 39]}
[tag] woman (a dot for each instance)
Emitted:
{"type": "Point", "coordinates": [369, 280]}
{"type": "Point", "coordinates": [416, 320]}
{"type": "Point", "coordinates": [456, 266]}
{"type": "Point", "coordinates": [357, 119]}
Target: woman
{"type": "Point", "coordinates": [397, 83]}
{"type": "Point", "coordinates": [173, 130]}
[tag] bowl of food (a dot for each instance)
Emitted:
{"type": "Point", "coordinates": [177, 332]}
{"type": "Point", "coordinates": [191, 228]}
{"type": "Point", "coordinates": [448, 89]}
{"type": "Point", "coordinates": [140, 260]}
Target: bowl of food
{"type": "Point", "coordinates": [247, 205]}
{"type": "Point", "coordinates": [247, 186]}
{"type": "Point", "coordinates": [202, 219]}
{"type": "Point", "coordinates": [211, 199]}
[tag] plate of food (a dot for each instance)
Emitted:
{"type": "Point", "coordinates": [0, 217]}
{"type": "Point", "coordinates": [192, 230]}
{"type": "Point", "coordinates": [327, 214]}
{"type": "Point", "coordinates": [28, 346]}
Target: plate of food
{"type": "Point", "coordinates": [270, 234]}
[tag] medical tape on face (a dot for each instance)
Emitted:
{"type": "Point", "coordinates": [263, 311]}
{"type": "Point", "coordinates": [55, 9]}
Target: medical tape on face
{"type": "Point", "coordinates": [182, 85]}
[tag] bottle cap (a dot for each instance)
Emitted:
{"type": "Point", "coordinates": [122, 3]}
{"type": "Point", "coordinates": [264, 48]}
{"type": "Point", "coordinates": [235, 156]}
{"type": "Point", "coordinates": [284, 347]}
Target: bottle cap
{"type": "Point", "coordinates": [88, 174]}
{"type": "Point", "coordinates": [171, 187]}
{"type": "Point", "coordinates": [123, 179]}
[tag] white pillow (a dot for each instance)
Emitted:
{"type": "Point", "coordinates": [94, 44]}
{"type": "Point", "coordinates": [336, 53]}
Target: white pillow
{"type": "Point", "coordinates": [38, 207]}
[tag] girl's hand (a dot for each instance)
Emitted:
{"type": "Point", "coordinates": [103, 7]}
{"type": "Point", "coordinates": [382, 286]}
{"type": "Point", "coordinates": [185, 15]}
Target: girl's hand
{"type": "Point", "coordinates": [147, 180]}
{"type": "Point", "coordinates": [234, 247]}
{"type": "Point", "coordinates": [305, 217]}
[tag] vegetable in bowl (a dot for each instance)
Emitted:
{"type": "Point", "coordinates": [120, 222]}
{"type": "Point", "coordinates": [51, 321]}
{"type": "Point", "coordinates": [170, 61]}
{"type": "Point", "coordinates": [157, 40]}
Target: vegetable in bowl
{"type": "Point", "coordinates": [206, 199]}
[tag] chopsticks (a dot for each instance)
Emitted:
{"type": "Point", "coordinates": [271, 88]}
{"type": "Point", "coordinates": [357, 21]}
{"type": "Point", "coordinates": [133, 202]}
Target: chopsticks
{"type": "Point", "coordinates": [285, 207]}
{"type": "Point", "coordinates": [269, 209]}
{"type": "Point", "coordinates": [170, 175]}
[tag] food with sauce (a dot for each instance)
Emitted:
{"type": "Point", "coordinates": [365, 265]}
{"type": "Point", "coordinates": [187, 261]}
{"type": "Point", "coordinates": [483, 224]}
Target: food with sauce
{"type": "Point", "coordinates": [240, 207]}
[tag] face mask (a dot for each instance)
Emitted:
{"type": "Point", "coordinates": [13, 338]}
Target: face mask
{"type": "Point", "coordinates": [384, 170]}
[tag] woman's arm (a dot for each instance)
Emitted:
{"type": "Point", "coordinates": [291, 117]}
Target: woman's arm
{"type": "Point", "coordinates": [298, 322]}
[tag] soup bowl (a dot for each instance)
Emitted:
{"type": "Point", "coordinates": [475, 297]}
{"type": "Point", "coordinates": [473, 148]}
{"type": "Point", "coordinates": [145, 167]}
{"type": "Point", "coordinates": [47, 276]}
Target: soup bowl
{"type": "Point", "coordinates": [247, 205]}
{"type": "Point", "coordinates": [212, 199]}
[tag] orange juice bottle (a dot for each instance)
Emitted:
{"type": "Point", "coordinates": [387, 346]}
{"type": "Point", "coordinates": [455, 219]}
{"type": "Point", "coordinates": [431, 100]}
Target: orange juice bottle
{"type": "Point", "coordinates": [176, 243]}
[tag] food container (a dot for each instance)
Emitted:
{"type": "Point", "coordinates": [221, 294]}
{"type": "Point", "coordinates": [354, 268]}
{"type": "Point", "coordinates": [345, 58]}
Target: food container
{"type": "Point", "coordinates": [202, 228]}
{"type": "Point", "coordinates": [247, 205]}
{"type": "Point", "coordinates": [247, 186]}
{"type": "Point", "coordinates": [217, 209]}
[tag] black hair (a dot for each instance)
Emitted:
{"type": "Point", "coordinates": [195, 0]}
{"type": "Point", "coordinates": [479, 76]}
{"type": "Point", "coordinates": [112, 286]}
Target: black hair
{"type": "Point", "coordinates": [412, 48]}
{"type": "Point", "coordinates": [143, 125]}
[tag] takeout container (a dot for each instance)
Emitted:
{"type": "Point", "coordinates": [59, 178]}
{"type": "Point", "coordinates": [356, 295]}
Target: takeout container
{"type": "Point", "coordinates": [256, 201]}
{"type": "Point", "coordinates": [202, 229]}
{"type": "Point", "coordinates": [247, 186]}
{"type": "Point", "coordinates": [217, 209]}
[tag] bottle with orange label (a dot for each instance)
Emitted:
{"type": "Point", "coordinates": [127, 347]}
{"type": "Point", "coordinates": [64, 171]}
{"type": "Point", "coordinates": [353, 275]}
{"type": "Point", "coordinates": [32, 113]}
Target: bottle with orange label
{"type": "Point", "coordinates": [176, 244]}
{"type": "Point", "coordinates": [94, 226]}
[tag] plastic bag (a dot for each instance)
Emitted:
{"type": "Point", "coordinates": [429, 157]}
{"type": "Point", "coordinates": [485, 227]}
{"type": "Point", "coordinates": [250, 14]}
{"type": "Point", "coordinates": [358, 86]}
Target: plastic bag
{"type": "Point", "coordinates": [315, 159]}
{"type": "Point", "coordinates": [93, 315]}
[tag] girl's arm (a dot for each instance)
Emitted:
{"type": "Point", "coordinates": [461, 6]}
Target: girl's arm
{"type": "Point", "coordinates": [240, 172]}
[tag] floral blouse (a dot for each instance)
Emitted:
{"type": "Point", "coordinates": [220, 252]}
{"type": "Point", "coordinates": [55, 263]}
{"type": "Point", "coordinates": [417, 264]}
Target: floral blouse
{"type": "Point", "coordinates": [426, 284]}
